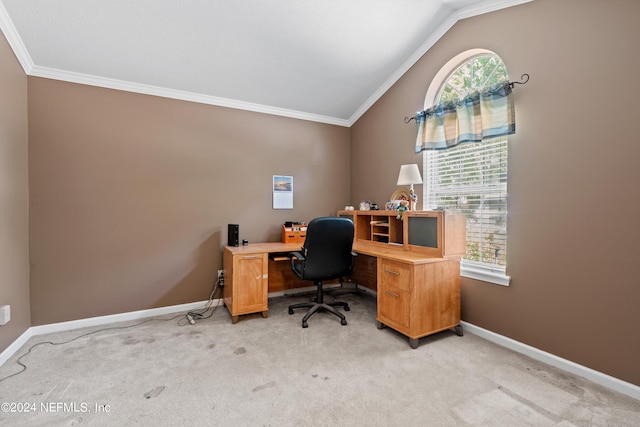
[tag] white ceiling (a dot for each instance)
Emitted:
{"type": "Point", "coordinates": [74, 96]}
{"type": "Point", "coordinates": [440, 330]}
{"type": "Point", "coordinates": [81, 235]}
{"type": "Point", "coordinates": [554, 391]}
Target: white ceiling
{"type": "Point", "coordinates": [320, 60]}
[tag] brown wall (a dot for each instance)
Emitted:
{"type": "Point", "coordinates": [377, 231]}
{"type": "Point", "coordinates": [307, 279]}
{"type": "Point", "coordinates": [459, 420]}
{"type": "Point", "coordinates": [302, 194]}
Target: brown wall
{"type": "Point", "coordinates": [573, 175]}
{"type": "Point", "coordinates": [131, 194]}
{"type": "Point", "coordinates": [14, 196]}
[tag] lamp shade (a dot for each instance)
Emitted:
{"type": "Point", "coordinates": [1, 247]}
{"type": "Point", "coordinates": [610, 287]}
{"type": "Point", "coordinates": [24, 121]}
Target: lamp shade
{"type": "Point", "coordinates": [409, 175]}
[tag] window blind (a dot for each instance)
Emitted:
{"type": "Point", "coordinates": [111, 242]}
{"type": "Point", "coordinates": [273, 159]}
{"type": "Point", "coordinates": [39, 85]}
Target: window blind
{"type": "Point", "coordinates": [472, 179]}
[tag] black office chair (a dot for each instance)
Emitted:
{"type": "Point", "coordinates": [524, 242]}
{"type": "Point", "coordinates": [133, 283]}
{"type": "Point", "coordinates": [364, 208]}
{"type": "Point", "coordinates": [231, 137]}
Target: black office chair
{"type": "Point", "coordinates": [325, 255]}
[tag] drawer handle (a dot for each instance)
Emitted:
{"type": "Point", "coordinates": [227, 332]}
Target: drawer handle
{"type": "Point", "coordinates": [392, 272]}
{"type": "Point", "coordinates": [392, 294]}
{"type": "Point", "coordinates": [250, 257]}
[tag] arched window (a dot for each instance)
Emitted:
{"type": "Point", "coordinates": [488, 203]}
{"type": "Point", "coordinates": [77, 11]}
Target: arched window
{"type": "Point", "coordinates": [472, 177]}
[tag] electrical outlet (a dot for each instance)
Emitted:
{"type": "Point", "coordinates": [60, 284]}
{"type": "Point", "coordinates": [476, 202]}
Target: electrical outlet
{"type": "Point", "coordinates": [221, 278]}
{"type": "Point", "coordinates": [5, 314]}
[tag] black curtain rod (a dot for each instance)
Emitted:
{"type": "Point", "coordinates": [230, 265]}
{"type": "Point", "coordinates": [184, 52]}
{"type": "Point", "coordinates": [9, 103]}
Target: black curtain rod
{"type": "Point", "coordinates": [524, 79]}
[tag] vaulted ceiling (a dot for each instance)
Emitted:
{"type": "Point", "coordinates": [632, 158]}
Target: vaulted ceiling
{"type": "Point", "coordinates": [320, 60]}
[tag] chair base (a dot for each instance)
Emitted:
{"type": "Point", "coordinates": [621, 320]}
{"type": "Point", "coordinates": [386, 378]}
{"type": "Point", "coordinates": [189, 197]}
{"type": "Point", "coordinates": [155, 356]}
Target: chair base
{"type": "Point", "coordinates": [345, 288]}
{"type": "Point", "coordinates": [320, 306]}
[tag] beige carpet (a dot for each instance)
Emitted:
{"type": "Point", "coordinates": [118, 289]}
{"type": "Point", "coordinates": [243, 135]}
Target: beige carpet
{"type": "Point", "coordinates": [272, 372]}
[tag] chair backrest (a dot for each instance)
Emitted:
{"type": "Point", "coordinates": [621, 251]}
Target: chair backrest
{"type": "Point", "coordinates": [327, 248]}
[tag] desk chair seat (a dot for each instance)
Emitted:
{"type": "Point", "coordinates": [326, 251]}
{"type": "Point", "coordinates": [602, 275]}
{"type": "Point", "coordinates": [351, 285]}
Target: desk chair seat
{"type": "Point", "coordinates": [325, 255]}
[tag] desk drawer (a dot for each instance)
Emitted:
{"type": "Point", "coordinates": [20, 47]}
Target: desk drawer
{"type": "Point", "coordinates": [394, 274]}
{"type": "Point", "coordinates": [393, 307]}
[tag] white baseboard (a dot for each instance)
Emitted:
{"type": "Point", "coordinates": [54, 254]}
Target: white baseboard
{"type": "Point", "coordinates": [553, 360]}
{"type": "Point", "coordinates": [114, 318]}
{"type": "Point", "coordinates": [548, 358]}
{"type": "Point", "coordinates": [96, 321]}
{"type": "Point", "coordinates": [15, 346]}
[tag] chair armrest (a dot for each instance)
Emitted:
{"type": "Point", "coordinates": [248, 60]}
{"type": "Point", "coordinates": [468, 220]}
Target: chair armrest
{"type": "Point", "coordinates": [296, 259]}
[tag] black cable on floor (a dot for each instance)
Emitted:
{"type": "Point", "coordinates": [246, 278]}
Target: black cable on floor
{"type": "Point", "coordinates": [195, 314]}
{"type": "Point", "coordinates": [198, 314]}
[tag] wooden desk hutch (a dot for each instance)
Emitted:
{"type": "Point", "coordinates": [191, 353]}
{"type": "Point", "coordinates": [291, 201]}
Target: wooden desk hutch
{"type": "Point", "coordinates": [417, 268]}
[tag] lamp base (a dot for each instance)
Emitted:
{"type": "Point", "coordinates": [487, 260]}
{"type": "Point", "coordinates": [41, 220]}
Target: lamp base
{"type": "Point", "coordinates": [413, 200]}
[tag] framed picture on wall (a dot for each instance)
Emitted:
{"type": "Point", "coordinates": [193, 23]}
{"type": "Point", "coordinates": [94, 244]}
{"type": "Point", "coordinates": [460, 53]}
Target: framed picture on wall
{"type": "Point", "coordinates": [282, 192]}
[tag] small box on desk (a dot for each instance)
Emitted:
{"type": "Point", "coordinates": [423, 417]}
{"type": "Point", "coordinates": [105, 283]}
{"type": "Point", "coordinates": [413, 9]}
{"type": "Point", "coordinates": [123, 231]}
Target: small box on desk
{"type": "Point", "coordinates": [294, 233]}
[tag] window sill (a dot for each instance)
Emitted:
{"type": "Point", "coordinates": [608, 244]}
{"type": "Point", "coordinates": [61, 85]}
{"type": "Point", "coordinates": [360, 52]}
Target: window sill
{"type": "Point", "coordinates": [483, 273]}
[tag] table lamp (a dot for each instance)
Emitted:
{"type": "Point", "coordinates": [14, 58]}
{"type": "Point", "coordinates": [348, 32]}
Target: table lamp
{"type": "Point", "coordinates": [409, 175]}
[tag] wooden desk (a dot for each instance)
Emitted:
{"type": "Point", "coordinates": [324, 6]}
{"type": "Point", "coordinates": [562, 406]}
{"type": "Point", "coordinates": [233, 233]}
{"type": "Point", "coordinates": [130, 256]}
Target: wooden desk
{"type": "Point", "coordinates": [246, 276]}
{"type": "Point", "coordinates": [417, 267]}
{"type": "Point", "coordinates": [417, 294]}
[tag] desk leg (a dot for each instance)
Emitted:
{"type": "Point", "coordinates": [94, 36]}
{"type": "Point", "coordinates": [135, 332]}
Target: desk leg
{"type": "Point", "coordinates": [413, 342]}
{"type": "Point", "coordinates": [265, 314]}
{"type": "Point", "coordinates": [458, 330]}
{"type": "Point", "coordinates": [234, 319]}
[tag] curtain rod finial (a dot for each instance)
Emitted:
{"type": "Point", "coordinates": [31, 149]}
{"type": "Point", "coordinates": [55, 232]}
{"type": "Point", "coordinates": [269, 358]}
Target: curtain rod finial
{"type": "Point", "coordinates": [524, 78]}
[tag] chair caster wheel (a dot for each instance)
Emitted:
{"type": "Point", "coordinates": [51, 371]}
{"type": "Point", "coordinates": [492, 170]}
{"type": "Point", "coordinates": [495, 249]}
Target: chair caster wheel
{"type": "Point", "coordinates": [290, 311]}
{"type": "Point", "coordinates": [305, 325]}
{"type": "Point", "coordinates": [347, 308]}
{"type": "Point", "coordinates": [343, 322]}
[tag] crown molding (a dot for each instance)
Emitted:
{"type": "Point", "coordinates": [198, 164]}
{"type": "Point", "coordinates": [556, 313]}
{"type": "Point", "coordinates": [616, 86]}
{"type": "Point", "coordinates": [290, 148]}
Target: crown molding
{"type": "Point", "coordinates": [487, 6]}
{"type": "Point", "coordinates": [12, 36]}
{"type": "Point", "coordinates": [10, 32]}
{"type": "Point", "coordinates": [402, 70]}
{"type": "Point", "coordinates": [467, 12]}
{"type": "Point", "coordinates": [19, 49]}
{"type": "Point", "coordinates": [86, 79]}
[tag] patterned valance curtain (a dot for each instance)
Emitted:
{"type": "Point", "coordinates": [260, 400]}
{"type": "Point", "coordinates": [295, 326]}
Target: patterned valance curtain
{"type": "Point", "coordinates": [478, 116]}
